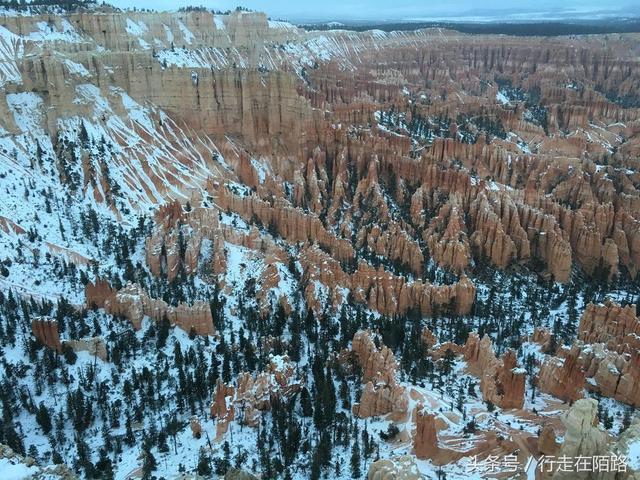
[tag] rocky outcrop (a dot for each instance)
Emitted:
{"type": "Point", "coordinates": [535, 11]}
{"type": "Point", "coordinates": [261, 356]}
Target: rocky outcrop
{"type": "Point", "coordinates": [627, 445]}
{"type": "Point", "coordinates": [617, 327]}
{"type": "Point", "coordinates": [93, 346]}
{"type": "Point", "coordinates": [45, 329]}
{"type": "Point", "coordinates": [381, 393]}
{"type": "Point", "coordinates": [134, 304]}
{"type": "Point", "coordinates": [611, 374]}
{"type": "Point", "coordinates": [447, 237]}
{"type": "Point", "coordinates": [544, 338]}
{"type": "Point", "coordinates": [380, 399]}
{"type": "Point", "coordinates": [196, 426]}
{"type": "Point", "coordinates": [425, 441]}
{"type": "Point", "coordinates": [501, 381]}
{"type": "Point", "coordinates": [548, 442]}
{"type": "Point", "coordinates": [19, 466]}
{"type": "Point", "coordinates": [222, 408]}
{"type": "Point", "coordinates": [595, 368]}
{"type": "Point", "coordinates": [479, 354]}
{"type": "Point", "coordinates": [376, 363]}
{"type": "Point", "coordinates": [504, 383]}
{"type": "Point", "coordinates": [253, 394]}
{"type": "Point", "coordinates": [288, 222]}
{"type": "Point", "coordinates": [237, 474]}
{"type": "Point", "coordinates": [392, 295]}
{"type": "Point", "coordinates": [428, 338]}
{"type": "Point", "coordinates": [563, 377]}
{"type": "Point", "coordinates": [582, 437]}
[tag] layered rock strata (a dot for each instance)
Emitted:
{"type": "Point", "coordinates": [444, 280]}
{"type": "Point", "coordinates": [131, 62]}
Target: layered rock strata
{"type": "Point", "coordinates": [381, 393]}
{"type": "Point", "coordinates": [134, 304]}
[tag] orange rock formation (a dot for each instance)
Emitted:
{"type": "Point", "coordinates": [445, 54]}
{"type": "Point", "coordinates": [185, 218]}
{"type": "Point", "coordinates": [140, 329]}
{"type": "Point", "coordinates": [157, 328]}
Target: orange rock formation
{"type": "Point", "coordinates": [381, 394]}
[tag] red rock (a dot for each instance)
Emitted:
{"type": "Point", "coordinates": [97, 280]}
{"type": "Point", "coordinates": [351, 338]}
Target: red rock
{"type": "Point", "coordinates": [547, 442]}
{"type": "Point", "coordinates": [425, 441]}
{"type": "Point", "coordinates": [133, 303]}
{"type": "Point", "coordinates": [501, 382]}
{"type": "Point", "coordinates": [45, 329]}
{"type": "Point", "coordinates": [616, 326]}
{"type": "Point", "coordinates": [563, 377]}
{"type": "Point", "coordinates": [381, 394]}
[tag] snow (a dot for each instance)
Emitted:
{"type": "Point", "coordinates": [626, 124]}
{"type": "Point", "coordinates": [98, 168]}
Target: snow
{"type": "Point", "coordinates": [136, 28]}
{"type": "Point", "coordinates": [136, 112]}
{"type": "Point", "coordinates": [168, 33]}
{"type": "Point", "coordinates": [11, 49]}
{"type": "Point", "coordinates": [502, 98]}
{"type": "Point", "coordinates": [26, 108]}
{"type": "Point", "coordinates": [281, 25]}
{"type": "Point", "coordinates": [15, 471]}
{"type": "Point", "coordinates": [154, 159]}
{"type": "Point", "coordinates": [262, 168]}
{"type": "Point", "coordinates": [218, 22]}
{"type": "Point", "coordinates": [90, 94]}
{"type": "Point", "coordinates": [209, 57]}
{"type": "Point", "coordinates": [49, 32]}
{"type": "Point", "coordinates": [76, 68]}
{"type": "Point", "coordinates": [633, 455]}
{"type": "Point", "coordinates": [186, 33]}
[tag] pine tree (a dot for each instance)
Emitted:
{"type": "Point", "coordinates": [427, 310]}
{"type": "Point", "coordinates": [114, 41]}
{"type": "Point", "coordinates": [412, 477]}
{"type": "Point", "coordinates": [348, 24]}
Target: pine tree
{"type": "Point", "coordinates": [204, 463]}
{"type": "Point", "coordinates": [356, 472]}
{"type": "Point", "coordinates": [149, 464]}
{"type": "Point", "coordinates": [163, 331]}
{"type": "Point", "coordinates": [129, 437]}
{"type": "Point", "coordinates": [305, 403]}
{"type": "Point", "coordinates": [163, 447]}
{"type": "Point", "coordinates": [43, 418]}
{"type": "Point", "coordinates": [104, 466]}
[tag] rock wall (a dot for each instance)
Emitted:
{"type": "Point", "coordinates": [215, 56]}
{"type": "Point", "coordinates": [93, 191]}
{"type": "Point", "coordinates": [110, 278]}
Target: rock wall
{"type": "Point", "coordinates": [563, 377]}
{"type": "Point", "coordinates": [425, 441]}
{"type": "Point", "coordinates": [381, 393]}
{"type": "Point", "coordinates": [45, 330]}
{"type": "Point", "coordinates": [501, 382]}
{"type": "Point", "coordinates": [616, 326]}
{"type": "Point", "coordinates": [253, 394]}
{"type": "Point", "coordinates": [593, 367]}
{"type": "Point", "coordinates": [134, 304]}
{"type": "Point", "coordinates": [93, 346]}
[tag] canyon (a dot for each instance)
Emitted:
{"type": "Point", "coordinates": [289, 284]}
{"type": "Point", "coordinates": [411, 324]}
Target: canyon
{"type": "Point", "coordinates": [231, 242]}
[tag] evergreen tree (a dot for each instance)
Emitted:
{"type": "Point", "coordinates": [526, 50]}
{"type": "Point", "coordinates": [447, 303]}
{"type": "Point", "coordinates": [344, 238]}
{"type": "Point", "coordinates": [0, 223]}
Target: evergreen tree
{"type": "Point", "coordinates": [149, 464]}
{"type": "Point", "coordinates": [163, 331]}
{"type": "Point", "coordinates": [204, 463]}
{"type": "Point", "coordinates": [43, 418]}
{"type": "Point", "coordinates": [355, 459]}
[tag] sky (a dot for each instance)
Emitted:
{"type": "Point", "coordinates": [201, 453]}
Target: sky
{"type": "Point", "coordinates": [300, 10]}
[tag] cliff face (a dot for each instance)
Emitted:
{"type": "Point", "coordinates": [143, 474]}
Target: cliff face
{"type": "Point", "coordinates": [563, 377]}
{"type": "Point", "coordinates": [253, 395]}
{"type": "Point", "coordinates": [381, 394]}
{"type": "Point", "coordinates": [134, 304]}
{"type": "Point", "coordinates": [616, 326]}
{"type": "Point", "coordinates": [501, 382]}
{"type": "Point", "coordinates": [603, 360]}
{"type": "Point", "coordinates": [46, 331]}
